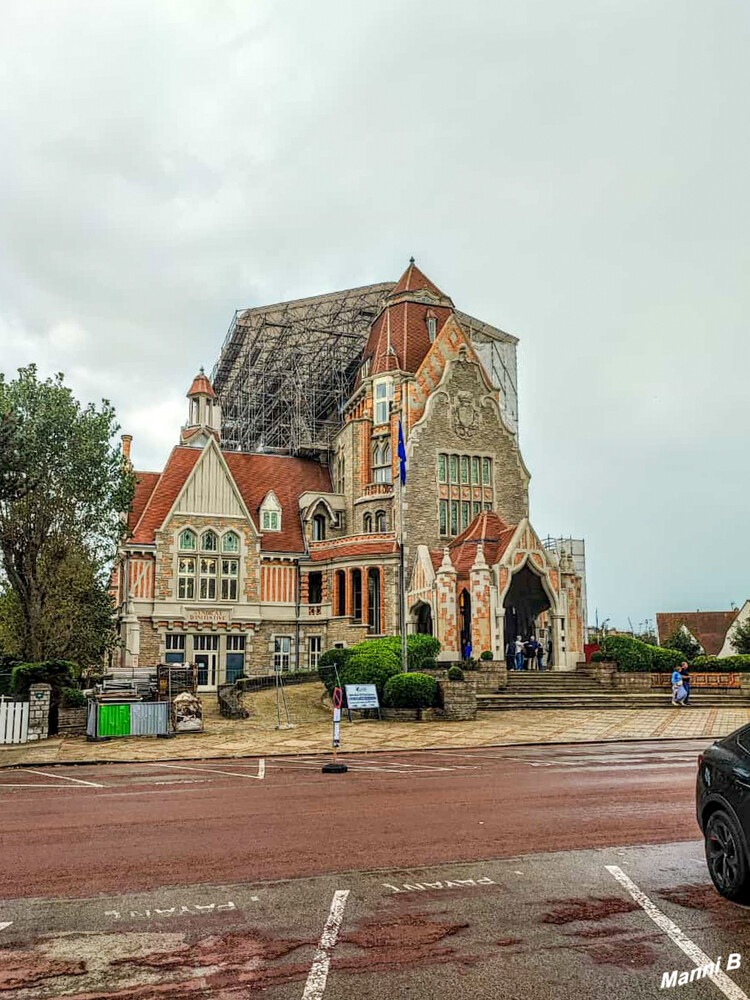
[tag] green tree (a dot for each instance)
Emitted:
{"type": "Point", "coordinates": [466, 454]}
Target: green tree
{"type": "Point", "coordinates": [63, 488]}
{"type": "Point", "coordinates": [682, 641]}
{"type": "Point", "coordinates": [739, 637]}
{"type": "Point", "coordinates": [79, 623]}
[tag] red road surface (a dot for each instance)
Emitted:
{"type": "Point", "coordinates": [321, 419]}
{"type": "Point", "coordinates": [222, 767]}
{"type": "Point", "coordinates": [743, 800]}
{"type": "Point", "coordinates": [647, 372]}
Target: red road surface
{"type": "Point", "coordinates": [153, 825]}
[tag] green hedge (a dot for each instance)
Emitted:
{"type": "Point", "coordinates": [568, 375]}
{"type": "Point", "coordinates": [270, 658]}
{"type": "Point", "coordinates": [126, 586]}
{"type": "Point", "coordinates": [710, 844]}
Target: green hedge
{"type": "Point", "coordinates": [632, 655]}
{"type": "Point", "coordinates": [455, 673]}
{"type": "Point", "coordinates": [331, 661]}
{"type": "Point", "coordinates": [72, 698]}
{"type": "Point", "coordinates": [411, 691]}
{"type": "Point", "coordinates": [714, 665]}
{"type": "Point", "coordinates": [486, 655]}
{"type": "Point", "coordinates": [58, 673]}
{"type": "Point", "coordinates": [370, 667]}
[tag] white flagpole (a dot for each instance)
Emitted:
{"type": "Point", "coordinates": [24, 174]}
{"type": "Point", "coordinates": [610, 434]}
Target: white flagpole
{"type": "Point", "coordinates": [402, 567]}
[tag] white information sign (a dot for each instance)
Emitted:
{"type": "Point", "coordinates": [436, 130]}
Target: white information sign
{"type": "Point", "coordinates": [362, 696]}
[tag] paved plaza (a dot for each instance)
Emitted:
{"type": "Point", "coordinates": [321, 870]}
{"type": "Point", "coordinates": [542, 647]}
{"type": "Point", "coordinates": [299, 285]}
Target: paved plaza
{"type": "Point", "coordinates": [238, 738]}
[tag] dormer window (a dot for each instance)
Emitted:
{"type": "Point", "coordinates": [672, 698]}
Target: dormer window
{"type": "Point", "coordinates": [364, 370]}
{"type": "Point", "coordinates": [270, 513]}
{"type": "Point", "coordinates": [319, 528]}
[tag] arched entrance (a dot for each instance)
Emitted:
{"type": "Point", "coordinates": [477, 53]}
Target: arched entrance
{"type": "Point", "coordinates": [464, 618]}
{"type": "Point", "coordinates": [422, 614]}
{"type": "Point", "coordinates": [525, 601]}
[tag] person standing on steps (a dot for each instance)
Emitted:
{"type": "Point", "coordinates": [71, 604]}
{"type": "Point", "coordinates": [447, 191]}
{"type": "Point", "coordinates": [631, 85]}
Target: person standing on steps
{"type": "Point", "coordinates": [549, 652]}
{"type": "Point", "coordinates": [519, 653]}
{"type": "Point", "coordinates": [510, 655]}
{"type": "Point", "coordinates": [539, 656]}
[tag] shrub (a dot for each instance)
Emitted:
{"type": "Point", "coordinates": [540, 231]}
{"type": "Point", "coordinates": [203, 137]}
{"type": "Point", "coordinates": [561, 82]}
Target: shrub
{"type": "Point", "coordinates": [411, 691]}
{"type": "Point", "coordinates": [368, 666]}
{"type": "Point", "coordinates": [331, 661]}
{"type": "Point", "coordinates": [470, 664]}
{"type": "Point", "coordinates": [420, 648]}
{"type": "Point", "coordinates": [487, 655]}
{"type": "Point", "coordinates": [58, 673]}
{"type": "Point", "coordinates": [666, 658]}
{"type": "Point", "coordinates": [682, 641]}
{"type": "Point", "coordinates": [429, 663]}
{"type": "Point", "coordinates": [72, 698]}
{"type": "Point", "coordinates": [629, 654]}
{"type": "Point", "coordinates": [598, 657]}
{"type": "Point", "coordinates": [455, 673]}
{"type": "Point", "coordinates": [714, 665]}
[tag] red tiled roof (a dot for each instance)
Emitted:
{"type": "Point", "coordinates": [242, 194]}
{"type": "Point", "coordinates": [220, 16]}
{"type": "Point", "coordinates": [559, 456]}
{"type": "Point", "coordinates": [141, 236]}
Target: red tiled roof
{"type": "Point", "coordinates": [201, 384]}
{"type": "Point", "coordinates": [255, 475]}
{"type": "Point", "coordinates": [144, 487]}
{"type": "Point", "coordinates": [708, 627]}
{"type": "Point", "coordinates": [289, 478]}
{"type": "Point", "coordinates": [412, 280]}
{"type": "Point", "coordinates": [402, 326]}
{"type": "Point", "coordinates": [341, 549]}
{"type": "Point", "coordinates": [487, 528]}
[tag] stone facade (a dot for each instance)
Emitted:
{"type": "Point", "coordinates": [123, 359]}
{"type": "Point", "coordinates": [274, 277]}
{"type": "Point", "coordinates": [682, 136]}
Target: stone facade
{"type": "Point", "coordinates": [318, 554]}
{"type": "Point", "coordinates": [40, 697]}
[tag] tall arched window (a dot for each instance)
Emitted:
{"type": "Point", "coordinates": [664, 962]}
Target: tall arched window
{"type": "Point", "coordinates": [381, 461]}
{"type": "Point", "coordinates": [340, 592]}
{"type": "Point", "coordinates": [367, 523]}
{"type": "Point", "coordinates": [380, 520]}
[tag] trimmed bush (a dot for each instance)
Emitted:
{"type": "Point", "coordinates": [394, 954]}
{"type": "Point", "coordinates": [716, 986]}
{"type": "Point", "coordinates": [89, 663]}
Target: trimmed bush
{"type": "Point", "coordinates": [725, 665]}
{"type": "Point", "coordinates": [487, 655]}
{"type": "Point", "coordinates": [598, 657]}
{"type": "Point", "coordinates": [411, 691]}
{"type": "Point", "coordinates": [664, 658]}
{"type": "Point", "coordinates": [58, 673]}
{"type": "Point", "coordinates": [420, 648]}
{"type": "Point", "coordinates": [429, 663]}
{"type": "Point", "coordinates": [455, 673]}
{"type": "Point", "coordinates": [331, 661]}
{"type": "Point", "coordinates": [371, 666]}
{"type": "Point", "coordinates": [72, 698]}
{"type": "Point", "coordinates": [470, 664]}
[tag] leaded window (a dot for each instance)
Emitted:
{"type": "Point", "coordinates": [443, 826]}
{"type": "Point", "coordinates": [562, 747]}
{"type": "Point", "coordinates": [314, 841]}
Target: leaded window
{"type": "Point", "coordinates": [209, 541]}
{"type": "Point", "coordinates": [443, 517]}
{"type": "Point", "coordinates": [230, 572]}
{"type": "Point", "coordinates": [186, 578]}
{"type": "Point", "coordinates": [230, 542]}
{"type": "Point", "coordinates": [187, 539]}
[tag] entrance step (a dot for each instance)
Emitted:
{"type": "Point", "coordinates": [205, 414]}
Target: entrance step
{"type": "Point", "coordinates": [605, 699]}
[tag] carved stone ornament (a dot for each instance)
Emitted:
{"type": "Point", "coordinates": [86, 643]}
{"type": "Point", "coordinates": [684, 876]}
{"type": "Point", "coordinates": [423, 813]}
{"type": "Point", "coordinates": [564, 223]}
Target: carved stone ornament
{"type": "Point", "coordinates": [466, 416]}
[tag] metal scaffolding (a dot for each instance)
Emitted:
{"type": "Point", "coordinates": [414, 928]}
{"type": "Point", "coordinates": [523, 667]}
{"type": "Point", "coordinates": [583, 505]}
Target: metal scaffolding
{"type": "Point", "coordinates": [286, 370]}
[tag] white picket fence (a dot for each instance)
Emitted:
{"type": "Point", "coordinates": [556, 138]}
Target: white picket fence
{"type": "Point", "coordinates": [14, 721]}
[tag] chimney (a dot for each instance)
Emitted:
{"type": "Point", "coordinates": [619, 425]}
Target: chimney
{"type": "Point", "coordinates": [127, 440]}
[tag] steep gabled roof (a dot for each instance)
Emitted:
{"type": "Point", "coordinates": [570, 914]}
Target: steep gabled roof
{"type": "Point", "coordinates": [145, 482]}
{"type": "Point", "coordinates": [709, 628]}
{"type": "Point", "coordinates": [413, 280]}
{"type": "Point", "coordinates": [255, 475]}
{"type": "Point", "coordinates": [487, 528]}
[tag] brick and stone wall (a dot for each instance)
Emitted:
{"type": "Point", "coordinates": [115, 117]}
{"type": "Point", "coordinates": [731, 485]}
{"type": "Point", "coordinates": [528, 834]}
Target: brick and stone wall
{"type": "Point", "coordinates": [150, 644]}
{"type": "Point", "coordinates": [40, 697]}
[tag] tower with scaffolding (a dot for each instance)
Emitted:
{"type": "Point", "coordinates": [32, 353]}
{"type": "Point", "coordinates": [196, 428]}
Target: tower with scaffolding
{"type": "Point", "coordinates": [285, 371]}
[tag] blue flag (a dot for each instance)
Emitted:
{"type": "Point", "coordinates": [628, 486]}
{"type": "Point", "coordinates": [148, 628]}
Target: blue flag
{"type": "Point", "coordinates": [401, 454]}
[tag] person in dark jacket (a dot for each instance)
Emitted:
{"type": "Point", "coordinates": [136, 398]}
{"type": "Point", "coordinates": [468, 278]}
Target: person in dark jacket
{"type": "Point", "coordinates": [685, 674]}
{"type": "Point", "coordinates": [539, 655]}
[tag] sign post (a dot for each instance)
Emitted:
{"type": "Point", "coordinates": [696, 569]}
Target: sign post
{"type": "Point", "coordinates": [334, 766]}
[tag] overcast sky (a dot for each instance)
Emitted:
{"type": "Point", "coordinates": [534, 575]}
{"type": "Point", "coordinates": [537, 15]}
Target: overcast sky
{"type": "Point", "coordinates": [573, 172]}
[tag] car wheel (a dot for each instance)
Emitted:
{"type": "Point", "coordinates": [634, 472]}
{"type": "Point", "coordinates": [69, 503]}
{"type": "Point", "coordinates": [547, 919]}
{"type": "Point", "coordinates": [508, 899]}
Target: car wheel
{"type": "Point", "coordinates": [725, 855]}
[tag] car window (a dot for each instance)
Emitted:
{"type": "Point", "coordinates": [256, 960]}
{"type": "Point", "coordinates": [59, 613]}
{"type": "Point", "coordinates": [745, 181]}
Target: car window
{"type": "Point", "coordinates": [743, 738]}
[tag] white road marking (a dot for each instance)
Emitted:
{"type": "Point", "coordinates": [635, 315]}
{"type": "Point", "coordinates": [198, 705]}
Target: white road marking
{"type": "Point", "coordinates": [720, 979]}
{"type": "Point", "coordinates": [316, 980]}
{"type": "Point", "coordinates": [63, 777]}
{"type": "Point", "coordinates": [17, 784]}
{"type": "Point", "coordinates": [4, 924]}
{"type": "Point", "coordinates": [213, 770]}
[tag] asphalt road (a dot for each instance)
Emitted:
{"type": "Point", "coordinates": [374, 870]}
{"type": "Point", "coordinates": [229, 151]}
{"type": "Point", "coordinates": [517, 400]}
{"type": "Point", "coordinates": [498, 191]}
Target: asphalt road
{"type": "Point", "coordinates": [507, 872]}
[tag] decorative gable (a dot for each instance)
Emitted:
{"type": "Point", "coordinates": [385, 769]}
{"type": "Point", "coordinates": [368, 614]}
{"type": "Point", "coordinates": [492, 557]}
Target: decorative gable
{"type": "Point", "coordinates": [270, 513]}
{"type": "Point", "coordinates": [210, 488]}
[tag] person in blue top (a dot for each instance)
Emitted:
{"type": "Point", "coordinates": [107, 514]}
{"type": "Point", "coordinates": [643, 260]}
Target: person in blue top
{"type": "Point", "coordinates": [678, 688]}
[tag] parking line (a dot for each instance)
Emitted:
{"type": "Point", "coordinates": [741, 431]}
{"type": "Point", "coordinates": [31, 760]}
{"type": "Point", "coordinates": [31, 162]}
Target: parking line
{"type": "Point", "coordinates": [212, 770]}
{"type": "Point", "coordinates": [62, 777]}
{"type": "Point", "coordinates": [727, 986]}
{"type": "Point", "coordinates": [316, 980]}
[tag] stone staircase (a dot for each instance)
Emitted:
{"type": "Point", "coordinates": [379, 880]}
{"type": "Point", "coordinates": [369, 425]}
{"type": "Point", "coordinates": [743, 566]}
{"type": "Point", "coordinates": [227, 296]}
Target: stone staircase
{"type": "Point", "coordinates": [575, 689]}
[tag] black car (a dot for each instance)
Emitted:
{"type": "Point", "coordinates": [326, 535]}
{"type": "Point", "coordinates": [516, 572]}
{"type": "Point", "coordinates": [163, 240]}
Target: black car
{"type": "Point", "coordinates": [723, 807]}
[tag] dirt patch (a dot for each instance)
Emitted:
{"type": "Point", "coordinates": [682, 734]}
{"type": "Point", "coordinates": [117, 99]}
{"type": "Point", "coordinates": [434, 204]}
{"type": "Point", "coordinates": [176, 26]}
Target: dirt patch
{"type": "Point", "coordinates": [568, 911]}
{"type": "Point", "coordinates": [698, 897]}
{"type": "Point", "coordinates": [305, 702]}
{"type": "Point", "coordinates": [21, 969]}
{"type": "Point", "coordinates": [624, 954]}
{"type": "Point", "coordinates": [508, 942]}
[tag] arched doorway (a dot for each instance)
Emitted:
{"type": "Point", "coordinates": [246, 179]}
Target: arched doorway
{"type": "Point", "coordinates": [422, 613]}
{"type": "Point", "coordinates": [464, 617]}
{"type": "Point", "coordinates": [525, 601]}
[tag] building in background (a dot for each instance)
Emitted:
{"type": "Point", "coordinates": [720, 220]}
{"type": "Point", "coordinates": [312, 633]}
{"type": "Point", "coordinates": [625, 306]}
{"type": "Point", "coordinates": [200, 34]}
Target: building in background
{"type": "Point", "coordinates": [712, 630]}
{"type": "Point", "coordinates": [275, 529]}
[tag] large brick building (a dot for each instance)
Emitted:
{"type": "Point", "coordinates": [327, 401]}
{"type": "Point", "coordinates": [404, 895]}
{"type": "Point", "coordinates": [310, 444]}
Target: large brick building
{"type": "Point", "coordinates": [237, 560]}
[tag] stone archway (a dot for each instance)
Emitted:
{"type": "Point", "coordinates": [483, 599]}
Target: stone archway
{"type": "Point", "coordinates": [524, 601]}
{"type": "Point", "coordinates": [421, 615]}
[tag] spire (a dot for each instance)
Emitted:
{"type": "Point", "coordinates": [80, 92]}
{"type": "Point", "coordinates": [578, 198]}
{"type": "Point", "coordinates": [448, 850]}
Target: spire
{"type": "Point", "coordinates": [413, 280]}
{"type": "Point", "coordinates": [204, 414]}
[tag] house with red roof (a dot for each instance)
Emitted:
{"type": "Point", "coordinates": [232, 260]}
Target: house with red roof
{"type": "Point", "coordinates": [241, 561]}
